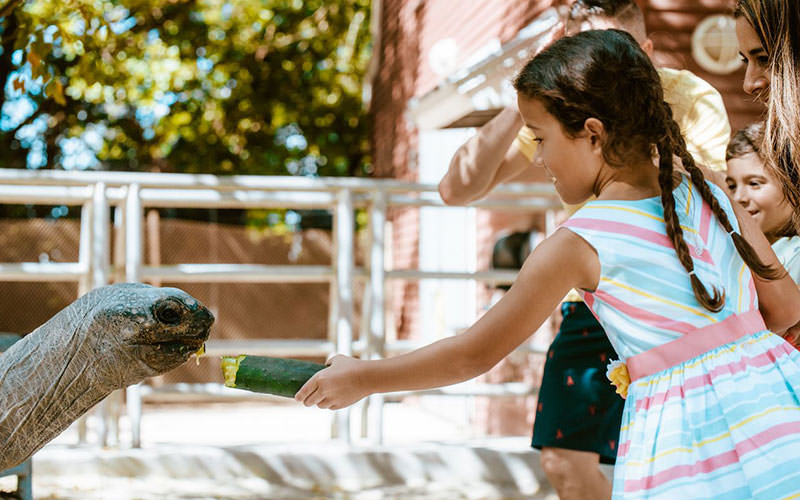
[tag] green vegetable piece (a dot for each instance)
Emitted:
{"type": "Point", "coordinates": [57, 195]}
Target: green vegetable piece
{"type": "Point", "coordinates": [278, 376]}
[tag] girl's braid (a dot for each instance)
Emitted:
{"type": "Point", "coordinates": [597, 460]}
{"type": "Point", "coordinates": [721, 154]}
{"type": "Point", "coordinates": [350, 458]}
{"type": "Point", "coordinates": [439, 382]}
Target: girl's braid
{"type": "Point", "coordinates": [665, 179]}
{"type": "Point", "coordinates": [744, 248]}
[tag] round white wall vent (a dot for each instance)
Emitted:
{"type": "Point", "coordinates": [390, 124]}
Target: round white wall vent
{"type": "Point", "coordinates": [714, 45]}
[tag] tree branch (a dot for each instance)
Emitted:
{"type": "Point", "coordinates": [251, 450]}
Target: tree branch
{"type": "Point", "coordinates": [9, 7]}
{"type": "Point", "coordinates": [9, 34]}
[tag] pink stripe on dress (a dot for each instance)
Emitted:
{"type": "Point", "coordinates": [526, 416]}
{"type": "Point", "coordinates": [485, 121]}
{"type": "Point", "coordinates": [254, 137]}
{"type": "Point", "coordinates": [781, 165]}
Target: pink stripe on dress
{"type": "Point", "coordinates": [623, 450]}
{"type": "Point", "coordinates": [716, 462]}
{"type": "Point", "coordinates": [694, 343]}
{"type": "Point", "coordinates": [630, 230]}
{"type": "Point", "coordinates": [705, 222]}
{"type": "Point", "coordinates": [737, 366]}
{"type": "Point", "coordinates": [648, 317]}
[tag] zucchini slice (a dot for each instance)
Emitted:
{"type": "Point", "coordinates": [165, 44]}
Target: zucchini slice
{"type": "Point", "coordinates": [278, 376]}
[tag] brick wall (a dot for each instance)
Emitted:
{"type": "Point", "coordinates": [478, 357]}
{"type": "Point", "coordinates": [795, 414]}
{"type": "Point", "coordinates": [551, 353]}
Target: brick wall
{"type": "Point", "coordinates": [404, 295]}
{"type": "Point", "coordinates": [671, 23]}
{"type": "Point", "coordinates": [409, 28]}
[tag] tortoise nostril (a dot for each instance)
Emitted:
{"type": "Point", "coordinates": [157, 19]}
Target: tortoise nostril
{"type": "Point", "coordinates": [205, 315]}
{"type": "Point", "coordinates": [169, 311]}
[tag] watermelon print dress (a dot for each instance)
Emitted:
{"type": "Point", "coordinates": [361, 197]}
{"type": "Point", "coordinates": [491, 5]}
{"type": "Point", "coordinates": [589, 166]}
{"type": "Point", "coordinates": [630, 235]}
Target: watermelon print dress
{"type": "Point", "coordinates": [713, 408]}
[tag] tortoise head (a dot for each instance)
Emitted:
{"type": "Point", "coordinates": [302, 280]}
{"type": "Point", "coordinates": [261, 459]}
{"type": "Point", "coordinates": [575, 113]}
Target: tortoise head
{"type": "Point", "coordinates": [158, 327]}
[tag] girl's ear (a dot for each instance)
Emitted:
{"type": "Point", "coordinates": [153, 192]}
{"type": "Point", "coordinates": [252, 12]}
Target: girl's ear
{"type": "Point", "coordinates": [595, 131]}
{"type": "Point", "coordinates": [647, 47]}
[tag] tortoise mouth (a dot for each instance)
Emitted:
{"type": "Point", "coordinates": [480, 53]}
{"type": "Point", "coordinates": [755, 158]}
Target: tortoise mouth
{"type": "Point", "coordinates": [183, 340]}
{"type": "Point", "coordinates": [164, 356]}
{"type": "Point", "coordinates": [178, 346]}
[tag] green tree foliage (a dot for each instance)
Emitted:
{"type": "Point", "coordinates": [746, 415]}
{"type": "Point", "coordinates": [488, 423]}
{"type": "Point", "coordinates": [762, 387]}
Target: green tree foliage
{"type": "Point", "coordinates": [216, 86]}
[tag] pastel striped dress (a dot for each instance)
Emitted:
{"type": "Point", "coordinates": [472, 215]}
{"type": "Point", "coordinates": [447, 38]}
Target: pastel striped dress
{"type": "Point", "coordinates": [713, 409]}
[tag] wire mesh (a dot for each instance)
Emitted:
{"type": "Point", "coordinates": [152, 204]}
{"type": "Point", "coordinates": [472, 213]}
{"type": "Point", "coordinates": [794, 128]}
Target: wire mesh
{"type": "Point", "coordinates": [26, 305]}
{"type": "Point", "coordinates": [244, 310]}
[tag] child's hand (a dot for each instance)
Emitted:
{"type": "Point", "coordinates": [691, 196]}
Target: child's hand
{"type": "Point", "coordinates": [792, 335]}
{"type": "Point", "coordinates": [337, 386]}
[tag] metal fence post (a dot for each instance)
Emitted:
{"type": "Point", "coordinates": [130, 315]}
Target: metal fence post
{"type": "Point", "coordinates": [133, 270]}
{"type": "Point", "coordinates": [333, 304]}
{"type": "Point", "coordinates": [345, 271]}
{"type": "Point", "coordinates": [376, 335]}
{"type": "Point", "coordinates": [100, 236]}
{"type": "Point", "coordinates": [85, 249]}
{"type": "Point", "coordinates": [85, 282]}
{"type": "Point", "coordinates": [363, 333]}
{"type": "Point", "coordinates": [100, 265]}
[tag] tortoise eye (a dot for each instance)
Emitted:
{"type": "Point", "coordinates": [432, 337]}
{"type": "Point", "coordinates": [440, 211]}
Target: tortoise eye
{"type": "Point", "coordinates": [168, 311]}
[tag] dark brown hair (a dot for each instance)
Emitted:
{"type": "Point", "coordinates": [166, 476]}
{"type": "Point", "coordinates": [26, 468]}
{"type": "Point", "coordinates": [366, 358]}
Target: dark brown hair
{"type": "Point", "coordinates": [777, 24]}
{"type": "Point", "coordinates": [604, 74]}
{"type": "Point", "coordinates": [745, 141]}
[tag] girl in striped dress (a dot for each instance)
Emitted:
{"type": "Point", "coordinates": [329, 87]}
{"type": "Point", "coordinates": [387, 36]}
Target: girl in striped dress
{"type": "Point", "coordinates": [687, 294]}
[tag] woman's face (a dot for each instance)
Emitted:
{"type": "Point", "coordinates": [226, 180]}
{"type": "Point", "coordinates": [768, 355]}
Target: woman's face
{"type": "Point", "coordinates": [755, 57]}
{"type": "Point", "coordinates": [759, 193]}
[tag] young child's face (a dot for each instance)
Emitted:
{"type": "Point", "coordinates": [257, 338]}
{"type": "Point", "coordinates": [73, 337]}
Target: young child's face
{"type": "Point", "coordinates": [758, 192]}
{"type": "Point", "coordinates": [567, 160]}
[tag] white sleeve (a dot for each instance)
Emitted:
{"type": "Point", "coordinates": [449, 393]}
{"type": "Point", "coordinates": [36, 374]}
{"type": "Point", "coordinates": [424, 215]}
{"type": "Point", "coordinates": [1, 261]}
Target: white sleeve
{"type": "Point", "coordinates": [792, 265]}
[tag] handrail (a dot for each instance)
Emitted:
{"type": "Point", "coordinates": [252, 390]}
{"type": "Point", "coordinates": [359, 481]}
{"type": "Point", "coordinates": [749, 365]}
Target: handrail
{"type": "Point", "coordinates": [131, 192]}
{"type": "Point", "coordinates": [269, 183]}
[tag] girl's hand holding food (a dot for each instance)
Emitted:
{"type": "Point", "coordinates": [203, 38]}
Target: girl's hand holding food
{"type": "Point", "coordinates": [339, 385]}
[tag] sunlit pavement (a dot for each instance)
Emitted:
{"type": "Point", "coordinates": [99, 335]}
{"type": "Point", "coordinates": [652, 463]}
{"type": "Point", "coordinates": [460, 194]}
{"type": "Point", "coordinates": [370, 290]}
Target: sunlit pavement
{"type": "Point", "coordinates": [236, 451]}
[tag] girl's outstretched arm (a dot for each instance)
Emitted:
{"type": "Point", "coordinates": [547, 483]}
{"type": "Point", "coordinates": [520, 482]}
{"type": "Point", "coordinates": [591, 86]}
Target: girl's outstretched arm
{"type": "Point", "coordinates": [561, 262]}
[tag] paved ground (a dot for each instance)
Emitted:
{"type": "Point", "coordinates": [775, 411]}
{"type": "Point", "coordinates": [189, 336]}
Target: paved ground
{"type": "Point", "coordinates": [430, 471]}
{"type": "Point", "coordinates": [259, 452]}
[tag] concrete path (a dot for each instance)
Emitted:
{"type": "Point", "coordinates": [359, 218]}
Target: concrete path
{"type": "Point", "coordinates": [426, 471]}
{"type": "Point", "coordinates": [278, 452]}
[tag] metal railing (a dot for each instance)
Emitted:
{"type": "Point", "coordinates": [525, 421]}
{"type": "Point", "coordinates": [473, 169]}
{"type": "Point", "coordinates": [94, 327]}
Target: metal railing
{"type": "Point", "coordinates": [129, 194]}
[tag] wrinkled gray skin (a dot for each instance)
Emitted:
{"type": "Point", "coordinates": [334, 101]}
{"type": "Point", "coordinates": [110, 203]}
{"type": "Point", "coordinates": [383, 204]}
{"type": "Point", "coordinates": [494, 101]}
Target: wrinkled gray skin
{"type": "Point", "coordinates": [108, 339]}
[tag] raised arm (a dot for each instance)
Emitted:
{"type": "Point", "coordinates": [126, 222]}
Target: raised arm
{"type": "Point", "coordinates": [560, 263]}
{"type": "Point", "coordinates": [485, 160]}
{"type": "Point", "coordinates": [707, 129]}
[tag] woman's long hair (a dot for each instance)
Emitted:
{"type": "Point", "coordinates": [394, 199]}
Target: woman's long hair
{"type": "Point", "coordinates": [606, 75]}
{"type": "Point", "coordinates": [777, 24]}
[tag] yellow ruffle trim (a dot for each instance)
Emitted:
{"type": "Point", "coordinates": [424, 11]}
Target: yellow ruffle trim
{"type": "Point", "coordinates": [617, 373]}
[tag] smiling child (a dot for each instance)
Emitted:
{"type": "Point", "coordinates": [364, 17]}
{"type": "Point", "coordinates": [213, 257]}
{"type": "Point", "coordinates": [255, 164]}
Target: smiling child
{"type": "Point", "coordinates": [756, 189]}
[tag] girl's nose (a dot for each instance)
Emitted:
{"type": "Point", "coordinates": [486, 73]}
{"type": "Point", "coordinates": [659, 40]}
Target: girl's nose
{"type": "Point", "coordinates": [740, 197]}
